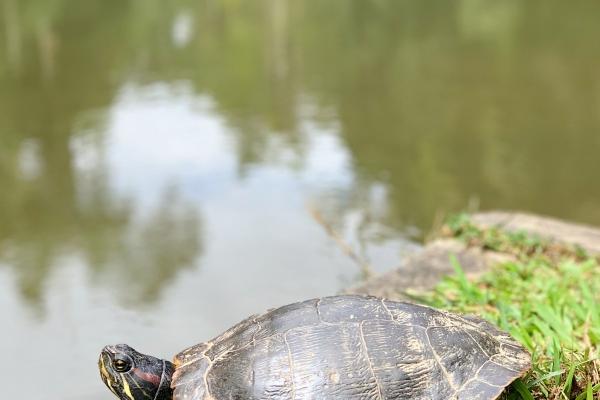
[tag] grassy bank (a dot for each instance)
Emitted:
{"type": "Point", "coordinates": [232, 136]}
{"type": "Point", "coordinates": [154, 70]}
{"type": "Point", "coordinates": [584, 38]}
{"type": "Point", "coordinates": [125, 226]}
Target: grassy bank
{"type": "Point", "coordinates": [548, 298]}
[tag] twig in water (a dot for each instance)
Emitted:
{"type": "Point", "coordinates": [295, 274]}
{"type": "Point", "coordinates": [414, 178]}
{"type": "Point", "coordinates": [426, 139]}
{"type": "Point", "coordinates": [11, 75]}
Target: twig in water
{"type": "Point", "coordinates": [365, 267]}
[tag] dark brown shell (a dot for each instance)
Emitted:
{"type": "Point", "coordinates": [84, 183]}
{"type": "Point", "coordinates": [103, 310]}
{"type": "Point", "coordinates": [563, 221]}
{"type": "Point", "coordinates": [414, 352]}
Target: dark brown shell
{"type": "Point", "coordinates": [352, 347]}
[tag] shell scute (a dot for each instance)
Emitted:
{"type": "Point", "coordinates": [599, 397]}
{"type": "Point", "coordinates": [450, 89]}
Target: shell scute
{"type": "Point", "coordinates": [457, 353]}
{"type": "Point", "coordinates": [407, 369]}
{"type": "Point", "coordinates": [190, 354]}
{"type": "Point", "coordinates": [244, 374]}
{"type": "Point", "coordinates": [350, 309]}
{"type": "Point", "coordinates": [189, 380]}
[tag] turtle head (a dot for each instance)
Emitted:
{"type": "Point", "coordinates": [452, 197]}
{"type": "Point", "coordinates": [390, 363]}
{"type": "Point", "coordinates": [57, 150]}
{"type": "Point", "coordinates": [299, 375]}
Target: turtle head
{"type": "Point", "coordinates": [135, 376]}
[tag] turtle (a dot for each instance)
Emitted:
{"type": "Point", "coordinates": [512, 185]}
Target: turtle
{"type": "Point", "coordinates": [347, 347]}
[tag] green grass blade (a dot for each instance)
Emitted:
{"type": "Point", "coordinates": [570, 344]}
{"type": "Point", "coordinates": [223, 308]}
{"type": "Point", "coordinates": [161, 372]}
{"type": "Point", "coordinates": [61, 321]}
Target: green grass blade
{"type": "Point", "coordinates": [556, 361]}
{"type": "Point", "coordinates": [545, 377]}
{"type": "Point", "coordinates": [590, 390]}
{"type": "Point", "coordinates": [520, 387]}
{"type": "Point", "coordinates": [569, 382]}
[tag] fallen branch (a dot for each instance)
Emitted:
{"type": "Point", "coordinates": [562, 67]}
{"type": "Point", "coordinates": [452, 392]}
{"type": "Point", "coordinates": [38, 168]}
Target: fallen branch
{"type": "Point", "coordinates": [365, 267]}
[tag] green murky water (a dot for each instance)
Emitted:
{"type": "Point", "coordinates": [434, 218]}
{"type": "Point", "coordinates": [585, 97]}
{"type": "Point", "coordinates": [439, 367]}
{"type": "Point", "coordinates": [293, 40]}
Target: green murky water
{"type": "Point", "coordinates": [157, 159]}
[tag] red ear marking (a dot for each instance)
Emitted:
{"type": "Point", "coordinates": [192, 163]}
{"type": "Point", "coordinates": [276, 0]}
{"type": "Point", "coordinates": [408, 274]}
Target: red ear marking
{"type": "Point", "coordinates": [154, 379]}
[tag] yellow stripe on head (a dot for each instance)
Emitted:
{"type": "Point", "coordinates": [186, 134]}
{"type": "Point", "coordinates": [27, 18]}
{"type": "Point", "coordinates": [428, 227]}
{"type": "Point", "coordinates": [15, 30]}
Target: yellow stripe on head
{"type": "Point", "coordinates": [103, 370]}
{"type": "Point", "coordinates": [126, 387]}
{"type": "Point", "coordinates": [106, 376]}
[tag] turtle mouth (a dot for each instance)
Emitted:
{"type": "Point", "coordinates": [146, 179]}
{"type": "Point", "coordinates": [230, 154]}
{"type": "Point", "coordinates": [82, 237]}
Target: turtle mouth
{"type": "Point", "coordinates": [104, 358]}
{"type": "Point", "coordinates": [104, 373]}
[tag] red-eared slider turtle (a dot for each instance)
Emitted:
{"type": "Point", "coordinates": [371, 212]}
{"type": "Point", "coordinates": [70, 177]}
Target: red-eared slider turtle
{"type": "Point", "coordinates": [340, 347]}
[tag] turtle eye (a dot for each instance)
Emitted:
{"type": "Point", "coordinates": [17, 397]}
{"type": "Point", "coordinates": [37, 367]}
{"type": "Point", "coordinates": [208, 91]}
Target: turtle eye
{"type": "Point", "coordinates": [121, 364]}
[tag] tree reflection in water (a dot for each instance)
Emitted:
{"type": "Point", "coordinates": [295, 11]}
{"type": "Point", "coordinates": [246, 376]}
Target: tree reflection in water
{"type": "Point", "coordinates": [59, 72]}
{"type": "Point", "coordinates": [436, 103]}
{"type": "Point", "coordinates": [135, 254]}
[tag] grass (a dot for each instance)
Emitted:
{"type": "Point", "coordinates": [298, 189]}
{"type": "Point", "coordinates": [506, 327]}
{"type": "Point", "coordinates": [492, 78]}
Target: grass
{"type": "Point", "coordinates": [548, 298]}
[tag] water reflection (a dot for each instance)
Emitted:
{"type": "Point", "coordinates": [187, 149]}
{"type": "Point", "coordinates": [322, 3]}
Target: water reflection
{"type": "Point", "coordinates": [46, 217]}
{"type": "Point", "coordinates": [147, 257]}
{"type": "Point", "coordinates": [437, 103]}
{"type": "Point", "coordinates": [440, 103]}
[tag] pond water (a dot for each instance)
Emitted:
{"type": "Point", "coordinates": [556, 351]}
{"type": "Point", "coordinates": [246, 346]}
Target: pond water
{"type": "Point", "coordinates": [161, 162]}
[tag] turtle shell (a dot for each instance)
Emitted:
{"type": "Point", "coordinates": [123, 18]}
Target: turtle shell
{"type": "Point", "coordinates": [352, 347]}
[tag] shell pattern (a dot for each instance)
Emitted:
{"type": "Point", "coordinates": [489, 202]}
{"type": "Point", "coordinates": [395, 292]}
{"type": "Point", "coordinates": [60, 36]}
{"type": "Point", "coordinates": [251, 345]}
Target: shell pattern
{"type": "Point", "coordinates": [352, 347]}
